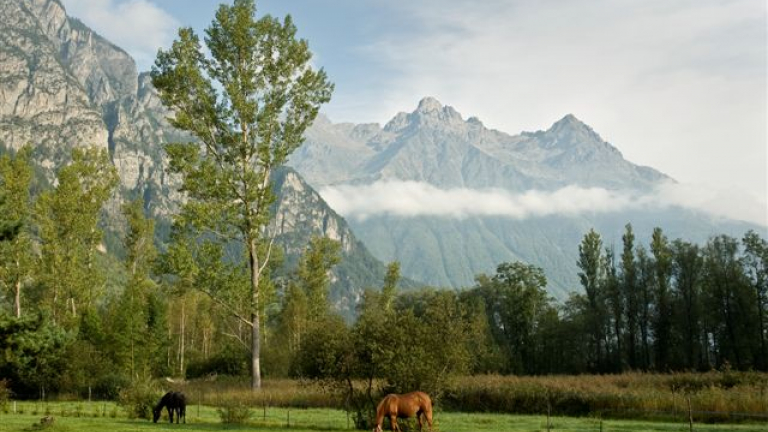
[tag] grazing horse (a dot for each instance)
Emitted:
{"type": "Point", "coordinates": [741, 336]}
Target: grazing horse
{"type": "Point", "coordinates": [173, 402]}
{"type": "Point", "coordinates": [406, 405]}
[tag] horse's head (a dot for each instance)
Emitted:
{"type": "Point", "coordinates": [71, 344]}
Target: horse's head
{"type": "Point", "coordinates": [156, 414]}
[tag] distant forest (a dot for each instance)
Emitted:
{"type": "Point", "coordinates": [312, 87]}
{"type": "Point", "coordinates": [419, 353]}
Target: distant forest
{"type": "Point", "coordinates": [77, 319]}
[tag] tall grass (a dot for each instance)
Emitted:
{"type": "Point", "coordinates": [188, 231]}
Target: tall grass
{"type": "Point", "coordinates": [274, 393]}
{"type": "Point", "coordinates": [713, 396]}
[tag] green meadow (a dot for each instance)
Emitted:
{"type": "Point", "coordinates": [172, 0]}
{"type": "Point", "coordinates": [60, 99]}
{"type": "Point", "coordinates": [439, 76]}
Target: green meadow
{"type": "Point", "coordinates": [106, 416]}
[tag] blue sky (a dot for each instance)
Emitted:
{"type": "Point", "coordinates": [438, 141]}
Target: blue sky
{"type": "Point", "coordinates": [676, 85]}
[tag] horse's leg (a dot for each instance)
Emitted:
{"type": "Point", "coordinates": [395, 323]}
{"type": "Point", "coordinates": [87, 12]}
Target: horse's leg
{"type": "Point", "coordinates": [428, 415]}
{"type": "Point", "coordinates": [418, 419]}
{"type": "Point", "coordinates": [393, 423]}
{"type": "Point", "coordinates": [170, 414]}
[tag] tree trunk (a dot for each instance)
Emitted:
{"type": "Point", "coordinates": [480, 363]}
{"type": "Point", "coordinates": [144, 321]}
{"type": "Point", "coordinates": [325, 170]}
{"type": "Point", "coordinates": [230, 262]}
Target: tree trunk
{"type": "Point", "coordinates": [182, 325]}
{"type": "Point", "coordinates": [17, 298]}
{"type": "Point", "coordinates": [255, 324]}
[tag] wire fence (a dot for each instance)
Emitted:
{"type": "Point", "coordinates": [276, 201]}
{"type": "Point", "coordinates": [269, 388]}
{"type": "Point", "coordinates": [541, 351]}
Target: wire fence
{"type": "Point", "coordinates": [209, 409]}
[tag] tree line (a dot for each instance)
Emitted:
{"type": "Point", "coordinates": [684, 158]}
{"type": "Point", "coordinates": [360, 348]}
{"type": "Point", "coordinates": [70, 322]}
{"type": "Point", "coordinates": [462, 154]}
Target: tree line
{"type": "Point", "coordinates": [75, 316]}
{"type": "Point", "coordinates": [91, 309]}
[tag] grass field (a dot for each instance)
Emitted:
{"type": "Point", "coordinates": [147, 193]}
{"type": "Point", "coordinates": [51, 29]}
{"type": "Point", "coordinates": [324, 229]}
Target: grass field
{"type": "Point", "coordinates": [76, 417]}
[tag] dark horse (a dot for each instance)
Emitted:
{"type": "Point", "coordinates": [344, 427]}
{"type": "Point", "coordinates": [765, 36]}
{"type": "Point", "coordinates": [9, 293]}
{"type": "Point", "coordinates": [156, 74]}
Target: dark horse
{"type": "Point", "coordinates": [173, 402]}
{"type": "Point", "coordinates": [407, 405]}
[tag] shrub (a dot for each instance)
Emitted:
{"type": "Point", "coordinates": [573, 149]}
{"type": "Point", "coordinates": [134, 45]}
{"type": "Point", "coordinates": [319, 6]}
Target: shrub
{"type": "Point", "coordinates": [138, 399]}
{"type": "Point", "coordinates": [108, 386]}
{"type": "Point", "coordinates": [231, 361]}
{"type": "Point", "coordinates": [234, 412]}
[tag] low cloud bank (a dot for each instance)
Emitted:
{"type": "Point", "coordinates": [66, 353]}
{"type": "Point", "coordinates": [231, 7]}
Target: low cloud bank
{"type": "Point", "coordinates": [411, 199]}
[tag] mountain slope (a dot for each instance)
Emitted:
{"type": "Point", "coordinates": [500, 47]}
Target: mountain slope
{"type": "Point", "coordinates": [62, 85]}
{"type": "Point", "coordinates": [435, 145]}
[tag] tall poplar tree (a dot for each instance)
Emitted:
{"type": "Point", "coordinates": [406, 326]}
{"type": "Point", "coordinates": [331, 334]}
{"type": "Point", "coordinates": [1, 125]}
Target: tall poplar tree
{"type": "Point", "coordinates": [756, 267]}
{"type": "Point", "coordinates": [662, 326]}
{"type": "Point", "coordinates": [68, 218]}
{"type": "Point", "coordinates": [15, 210]}
{"type": "Point", "coordinates": [591, 276]}
{"type": "Point", "coordinates": [629, 287]}
{"type": "Point", "coordinates": [247, 99]}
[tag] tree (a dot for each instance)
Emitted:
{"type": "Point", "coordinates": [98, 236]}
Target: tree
{"type": "Point", "coordinates": [756, 266]}
{"type": "Point", "coordinates": [514, 300]}
{"type": "Point", "coordinates": [139, 324]}
{"type": "Point", "coordinates": [615, 302]}
{"type": "Point", "coordinates": [662, 263]}
{"type": "Point", "coordinates": [629, 289]}
{"type": "Point", "coordinates": [313, 274]}
{"type": "Point", "coordinates": [389, 290]}
{"type": "Point", "coordinates": [68, 219]}
{"type": "Point", "coordinates": [591, 277]}
{"type": "Point", "coordinates": [645, 283]}
{"type": "Point", "coordinates": [31, 352]}
{"type": "Point", "coordinates": [687, 265]}
{"type": "Point", "coordinates": [248, 104]}
{"type": "Point", "coordinates": [728, 301]}
{"type": "Point", "coordinates": [15, 207]}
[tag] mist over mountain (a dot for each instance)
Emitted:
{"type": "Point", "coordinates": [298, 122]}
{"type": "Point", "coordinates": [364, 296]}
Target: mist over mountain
{"type": "Point", "coordinates": [450, 198]}
{"type": "Point", "coordinates": [446, 196]}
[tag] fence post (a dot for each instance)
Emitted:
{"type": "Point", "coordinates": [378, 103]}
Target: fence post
{"type": "Point", "coordinates": [690, 414]}
{"type": "Point", "coordinates": [549, 413]}
{"type": "Point", "coordinates": [289, 418]}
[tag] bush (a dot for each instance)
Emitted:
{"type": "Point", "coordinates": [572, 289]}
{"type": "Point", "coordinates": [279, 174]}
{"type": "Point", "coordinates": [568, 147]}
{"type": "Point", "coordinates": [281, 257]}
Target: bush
{"type": "Point", "coordinates": [138, 399]}
{"type": "Point", "coordinates": [234, 412]}
{"type": "Point", "coordinates": [232, 361]}
{"type": "Point", "coordinates": [108, 386]}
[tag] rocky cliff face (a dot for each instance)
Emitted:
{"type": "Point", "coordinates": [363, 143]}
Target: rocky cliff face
{"type": "Point", "coordinates": [42, 102]}
{"type": "Point", "coordinates": [62, 85]}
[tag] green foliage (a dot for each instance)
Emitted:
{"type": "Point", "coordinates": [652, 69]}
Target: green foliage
{"type": "Point", "coordinates": [16, 258]}
{"type": "Point", "coordinates": [138, 399]}
{"type": "Point", "coordinates": [232, 360]}
{"type": "Point", "coordinates": [248, 104]}
{"type": "Point", "coordinates": [515, 303]}
{"type": "Point", "coordinates": [68, 219]}
{"type": "Point", "coordinates": [32, 352]}
{"type": "Point", "coordinates": [234, 412]}
{"type": "Point", "coordinates": [108, 386]}
{"type": "Point", "coordinates": [313, 274]}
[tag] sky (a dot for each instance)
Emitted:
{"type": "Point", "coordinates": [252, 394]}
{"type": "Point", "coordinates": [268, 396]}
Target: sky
{"type": "Point", "coordinates": [676, 85]}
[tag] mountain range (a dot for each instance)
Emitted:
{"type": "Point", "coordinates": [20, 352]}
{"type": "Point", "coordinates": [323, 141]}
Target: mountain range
{"type": "Point", "coordinates": [435, 148]}
{"type": "Point", "coordinates": [62, 85]}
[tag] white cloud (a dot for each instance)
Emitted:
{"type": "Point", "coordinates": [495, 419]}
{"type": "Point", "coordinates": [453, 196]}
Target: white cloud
{"type": "Point", "coordinates": [412, 199]}
{"type": "Point", "coordinates": [137, 26]}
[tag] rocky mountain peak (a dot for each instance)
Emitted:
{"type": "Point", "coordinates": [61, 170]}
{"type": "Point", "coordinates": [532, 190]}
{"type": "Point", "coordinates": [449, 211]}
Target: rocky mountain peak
{"type": "Point", "coordinates": [570, 131]}
{"type": "Point", "coordinates": [429, 104]}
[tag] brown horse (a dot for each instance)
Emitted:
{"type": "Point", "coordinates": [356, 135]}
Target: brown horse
{"type": "Point", "coordinates": [406, 405]}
